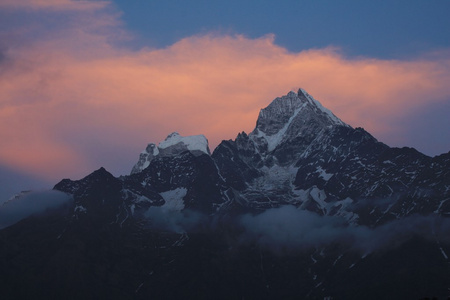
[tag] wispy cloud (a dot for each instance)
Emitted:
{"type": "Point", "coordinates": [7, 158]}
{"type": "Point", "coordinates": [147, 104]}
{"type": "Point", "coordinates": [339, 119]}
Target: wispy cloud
{"type": "Point", "coordinates": [32, 203]}
{"type": "Point", "coordinates": [76, 97]}
{"type": "Point", "coordinates": [287, 228]}
{"type": "Point", "coordinates": [53, 4]}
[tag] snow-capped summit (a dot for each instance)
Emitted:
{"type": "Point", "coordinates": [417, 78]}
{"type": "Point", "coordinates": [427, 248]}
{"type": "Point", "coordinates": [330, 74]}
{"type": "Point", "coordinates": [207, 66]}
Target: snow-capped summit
{"type": "Point", "coordinates": [290, 116]}
{"type": "Point", "coordinates": [193, 143]}
{"type": "Point", "coordinates": [173, 145]}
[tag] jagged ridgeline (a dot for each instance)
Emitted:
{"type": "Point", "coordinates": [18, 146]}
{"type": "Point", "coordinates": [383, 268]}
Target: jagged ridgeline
{"type": "Point", "coordinates": [302, 207]}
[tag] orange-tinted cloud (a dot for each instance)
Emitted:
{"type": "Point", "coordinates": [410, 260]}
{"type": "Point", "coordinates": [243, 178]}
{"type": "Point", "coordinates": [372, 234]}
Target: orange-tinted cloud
{"type": "Point", "coordinates": [71, 103]}
{"type": "Point", "coordinates": [53, 4]}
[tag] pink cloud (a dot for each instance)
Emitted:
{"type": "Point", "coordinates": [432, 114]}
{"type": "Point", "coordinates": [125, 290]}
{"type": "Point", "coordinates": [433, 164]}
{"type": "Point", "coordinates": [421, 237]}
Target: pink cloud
{"type": "Point", "coordinates": [57, 5]}
{"type": "Point", "coordinates": [71, 103]}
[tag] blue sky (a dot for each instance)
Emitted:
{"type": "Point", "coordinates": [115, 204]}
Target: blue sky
{"type": "Point", "coordinates": [384, 29]}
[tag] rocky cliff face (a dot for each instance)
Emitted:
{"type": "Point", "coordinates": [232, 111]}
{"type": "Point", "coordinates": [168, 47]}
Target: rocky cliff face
{"type": "Point", "coordinates": [301, 154]}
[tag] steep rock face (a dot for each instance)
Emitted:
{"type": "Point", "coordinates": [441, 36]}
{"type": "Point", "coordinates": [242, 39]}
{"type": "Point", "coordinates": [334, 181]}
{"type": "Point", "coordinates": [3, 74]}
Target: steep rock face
{"type": "Point", "coordinates": [101, 197]}
{"type": "Point", "coordinates": [290, 128]}
{"type": "Point", "coordinates": [197, 176]}
{"type": "Point", "coordinates": [301, 154]}
{"type": "Point", "coordinates": [296, 116]}
{"type": "Point", "coordinates": [237, 166]}
{"type": "Point", "coordinates": [98, 193]}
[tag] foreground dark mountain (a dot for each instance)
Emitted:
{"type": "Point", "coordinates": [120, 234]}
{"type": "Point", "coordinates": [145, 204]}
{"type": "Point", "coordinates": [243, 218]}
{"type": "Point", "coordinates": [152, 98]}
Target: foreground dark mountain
{"type": "Point", "coordinates": [303, 207]}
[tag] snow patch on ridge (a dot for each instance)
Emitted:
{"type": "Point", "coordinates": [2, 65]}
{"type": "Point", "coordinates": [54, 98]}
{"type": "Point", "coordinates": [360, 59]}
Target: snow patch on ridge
{"type": "Point", "coordinates": [80, 209]}
{"type": "Point", "coordinates": [319, 197]}
{"type": "Point", "coordinates": [174, 199]}
{"type": "Point", "coordinates": [323, 174]}
{"type": "Point", "coordinates": [274, 140]}
{"type": "Point", "coordinates": [274, 178]}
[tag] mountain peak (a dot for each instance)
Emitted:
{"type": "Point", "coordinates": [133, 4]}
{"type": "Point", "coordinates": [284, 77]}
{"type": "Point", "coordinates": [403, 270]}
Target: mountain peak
{"type": "Point", "coordinates": [191, 143]}
{"type": "Point", "coordinates": [172, 135]}
{"type": "Point", "coordinates": [173, 145]}
{"type": "Point", "coordinates": [100, 173]}
{"type": "Point", "coordinates": [321, 109]}
{"type": "Point", "coordinates": [284, 109]}
{"type": "Point", "coordinates": [292, 115]}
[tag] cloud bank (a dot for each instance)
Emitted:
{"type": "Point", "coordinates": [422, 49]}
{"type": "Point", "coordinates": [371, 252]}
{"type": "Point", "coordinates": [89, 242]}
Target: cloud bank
{"type": "Point", "coordinates": [287, 229]}
{"type": "Point", "coordinates": [31, 203]}
{"type": "Point", "coordinates": [74, 97]}
{"type": "Point", "coordinates": [176, 221]}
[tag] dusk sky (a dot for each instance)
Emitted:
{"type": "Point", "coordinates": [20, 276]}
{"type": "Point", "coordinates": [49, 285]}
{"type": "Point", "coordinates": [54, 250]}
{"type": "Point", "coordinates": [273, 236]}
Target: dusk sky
{"type": "Point", "coordinates": [85, 84]}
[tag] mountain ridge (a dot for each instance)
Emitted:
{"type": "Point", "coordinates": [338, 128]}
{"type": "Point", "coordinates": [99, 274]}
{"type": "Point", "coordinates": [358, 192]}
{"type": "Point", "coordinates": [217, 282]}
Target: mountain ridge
{"type": "Point", "coordinates": [298, 154]}
{"type": "Point", "coordinates": [302, 205]}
